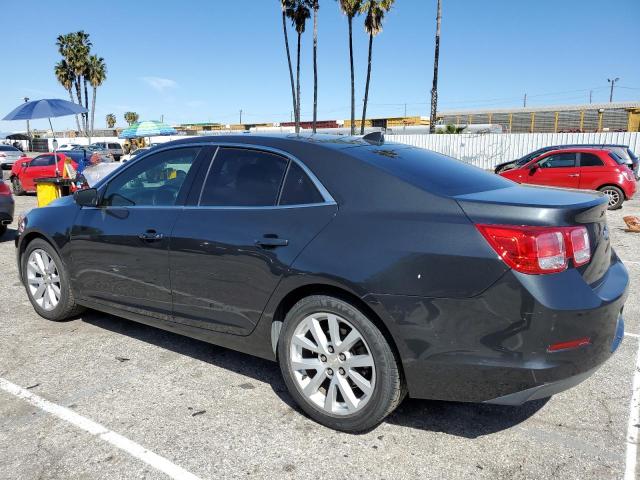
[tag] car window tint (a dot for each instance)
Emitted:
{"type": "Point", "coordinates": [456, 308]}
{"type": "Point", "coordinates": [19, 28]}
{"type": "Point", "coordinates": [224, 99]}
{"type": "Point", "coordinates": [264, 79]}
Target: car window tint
{"type": "Point", "coordinates": [114, 145]}
{"type": "Point", "coordinates": [590, 160]}
{"type": "Point", "coordinates": [298, 188]}
{"type": "Point", "coordinates": [156, 180]}
{"type": "Point", "coordinates": [243, 178]}
{"type": "Point", "coordinates": [559, 160]}
{"type": "Point", "coordinates": [42, 161]}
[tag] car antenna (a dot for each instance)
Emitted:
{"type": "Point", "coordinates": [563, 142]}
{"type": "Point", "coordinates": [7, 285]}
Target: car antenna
{"type": "Point", "coordinates": [374, 138]}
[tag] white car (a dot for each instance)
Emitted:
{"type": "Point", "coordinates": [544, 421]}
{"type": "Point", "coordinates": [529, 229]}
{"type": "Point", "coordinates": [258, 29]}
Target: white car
{"type": "Point", "coordinates": [8, 156]}
{"type": "Point", "coordinates": [132, 155]}
{"type": "Point", "coordinates": [68, 146]}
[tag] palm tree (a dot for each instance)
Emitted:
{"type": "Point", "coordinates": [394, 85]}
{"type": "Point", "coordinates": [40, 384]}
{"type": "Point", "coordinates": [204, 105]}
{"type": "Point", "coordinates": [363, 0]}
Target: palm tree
{"type": "Point", "coordinates": [315, 5]}
{"type": "Point", "coordinates": [286, 4]}
{"type": "Point", "coordinates": [97, 74]}
{"type": "Point", "coordinates": [436, 57]}
{"type": "Point", "coordinates": [131, 117]}
{"type": "Point", "coordinates": [351, 8]}
{"type": "Point", "coordinates": [375, 11]}
{"type": "Point", "coordinates": [111, 120]}
{"type": "Point", "coordinates": [298, 12]}
{"type": "Point", "coordinates": [65, 77]}
{"type": "Point", "coordinates": [75, 48]}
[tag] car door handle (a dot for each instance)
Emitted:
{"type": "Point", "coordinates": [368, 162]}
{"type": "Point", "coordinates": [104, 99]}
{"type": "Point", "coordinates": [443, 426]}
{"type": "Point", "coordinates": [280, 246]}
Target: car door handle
{"type": "Point", "coordinates": [574, 174]}
{"type": "Point", "coordinates": [150, 236]}
{"type": "Point", "coordinates": [271, 242]}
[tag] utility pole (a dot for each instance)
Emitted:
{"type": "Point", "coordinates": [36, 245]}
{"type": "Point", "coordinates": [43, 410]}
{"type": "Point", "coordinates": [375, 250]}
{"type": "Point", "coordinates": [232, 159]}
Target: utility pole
{"type": "Point", "coordinates": [524, 102]}
{"type": "Point", "coordinates": [434, 88]}
{"type": "Point", "coordinates": [612, 81]}
{"type": "Point", "coordinates": [26, 99]}
{"type": "Point", "coordinates": [405, 110]}
{"type": "Point", "coordinates": [240, 116]}
{"type": "Point", "coordinates": [590, 96]}
{"type": "Point", "coordinates": [162, 118]}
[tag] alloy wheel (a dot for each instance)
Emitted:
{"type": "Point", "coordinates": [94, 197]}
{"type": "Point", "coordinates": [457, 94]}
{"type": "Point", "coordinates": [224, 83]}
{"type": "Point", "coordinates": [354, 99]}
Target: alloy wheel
{"type": "Point", "coordinates": [614, 196]}
{"type": "Point", "coordinates": [43, 280]}
{"type": "Point", "coordinates": [332, 364]}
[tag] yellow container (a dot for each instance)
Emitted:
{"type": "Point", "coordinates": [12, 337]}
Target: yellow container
{"type": "Point", "coordinates": [48, 189]}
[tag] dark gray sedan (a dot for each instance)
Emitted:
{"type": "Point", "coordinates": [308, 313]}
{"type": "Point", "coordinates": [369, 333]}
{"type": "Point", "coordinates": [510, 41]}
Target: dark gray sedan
{"type": "Point", "coordinates": [6, 207]}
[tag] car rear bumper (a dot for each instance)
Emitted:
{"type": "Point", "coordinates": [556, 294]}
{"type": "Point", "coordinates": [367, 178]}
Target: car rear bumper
{"type": "Point", "coordinates": [494, 347]}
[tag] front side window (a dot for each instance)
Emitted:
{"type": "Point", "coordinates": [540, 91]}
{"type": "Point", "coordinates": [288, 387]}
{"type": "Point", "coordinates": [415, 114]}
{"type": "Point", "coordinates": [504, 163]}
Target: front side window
{"type": "Point", "coordinates": [590, 160]}
{"type": "Point", "coordinates": [155, 181]}
{"type": "Point", "coordinates": [243, 178]}
{"type": "Point", "coordinates": [559, 160]}
{"type": "Point", "coordinates": [42, 161]}
{"type": "Point", "coordinates": [298, 188]}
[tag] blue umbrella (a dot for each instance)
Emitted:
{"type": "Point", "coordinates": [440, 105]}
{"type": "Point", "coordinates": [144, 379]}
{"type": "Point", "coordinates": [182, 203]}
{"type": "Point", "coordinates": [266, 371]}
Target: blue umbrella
{"type": "Point", "coordinates": [46, 108]}
{"type": "Point", "coordinates": [149, 128]}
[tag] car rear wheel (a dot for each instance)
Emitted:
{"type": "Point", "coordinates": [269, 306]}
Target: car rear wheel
{"type": "Point", "coordinates": [338, 365]}
{"type": "Point", "coordinates": [616, 196]}
{"type": "Point", "coordinates": [16, 186]}
{"type": "Point", "coordinates": [47, 282]}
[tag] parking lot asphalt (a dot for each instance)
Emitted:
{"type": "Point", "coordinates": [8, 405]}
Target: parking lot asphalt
{"type": "Point", "coordinates": [213, 413]}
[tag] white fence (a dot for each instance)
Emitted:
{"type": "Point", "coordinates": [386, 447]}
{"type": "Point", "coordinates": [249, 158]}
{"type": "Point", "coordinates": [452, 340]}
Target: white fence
{"type": "Point", "coordinates": [486, 151]}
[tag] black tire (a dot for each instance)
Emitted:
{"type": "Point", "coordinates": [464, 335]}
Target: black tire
{"type": "Point", "coordinates": [388, 390]}
{"type": "Point", "coordinates": [66, 307]}
{"type": "Point", "coordinates": [615, 194]}
{"type": "Point", "coordinates": [3, 230]}
{"type": "Point", "coordinates": [16, 186]}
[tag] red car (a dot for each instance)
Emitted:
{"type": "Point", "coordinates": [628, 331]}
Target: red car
{"type": "Point", "coordinates": [583, 168]}
{"type": "Point", "coordinates": [25, 171]}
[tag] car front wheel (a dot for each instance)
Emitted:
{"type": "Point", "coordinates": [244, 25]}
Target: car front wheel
{"type": "Point", "coordinates": [47, 282]}
{"type": "Point", "coordinates": [338, 365]}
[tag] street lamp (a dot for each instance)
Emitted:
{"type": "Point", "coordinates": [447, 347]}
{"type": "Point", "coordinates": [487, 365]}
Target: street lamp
{"type": "Point", "coordinates": [612, 81]}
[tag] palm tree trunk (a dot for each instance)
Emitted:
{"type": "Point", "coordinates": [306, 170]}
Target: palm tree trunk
{"type": "Point", "coordinates": [73, 101]}
{"type": "Point", "coordinates": [366, 88]}
{"type": "Point", "coordinates": [286, 44]}
{"type": "Point", "coordinates": [434, 88]}
{"type": "Point", "coordinates": [93, 112]}
{"type": "Point", "coordinates": [353, 88]}
{"type": "Point", "coordinates": [315, 68]}
{"type": "Point", "coordinates": [79, 94]}
{"type": "Point", "coordinates": [86, 105]}
{"type": "Point", "coordinates": [298, 86]}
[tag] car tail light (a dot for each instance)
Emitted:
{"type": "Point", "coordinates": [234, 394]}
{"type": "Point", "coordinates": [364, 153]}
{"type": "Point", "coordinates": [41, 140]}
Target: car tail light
{"type": "Point", "coordinates": [538, 250]}
{"type": "Point", "coordinates": [4, 190]}
{"type": "Point", "coordinates": [570, 345]}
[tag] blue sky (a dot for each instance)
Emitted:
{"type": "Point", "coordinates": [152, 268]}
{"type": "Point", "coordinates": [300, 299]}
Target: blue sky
{"type": "Point", "coordinates": [204, 60]}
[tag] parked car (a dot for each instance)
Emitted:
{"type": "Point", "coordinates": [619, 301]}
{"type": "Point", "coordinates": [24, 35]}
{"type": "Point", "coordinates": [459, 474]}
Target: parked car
{"type": "Point", "coordinates": [8, 156]}
{"type": "Point", "coordinates": [583, 168]}
{"type": "Point", "coordinates": [114, 148]}
{"type": "Point", "coordinates": [6, 207]}
{"type": "Point", "coordinates": [368, 270]}
{"type": "Point", "coordinates": [69, 146]}
{"type": "Point", "coordinates": [105, 155]}
{"type": "Point", "coordinates": [134, 154]}
{"type": "Point", "coordinates": [24, 173]}
{"type": "Point", "coordinates": [623, 151]}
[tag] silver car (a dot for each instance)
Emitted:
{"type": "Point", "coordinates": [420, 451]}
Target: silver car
{"type": "Point", "coordinates": [114, 148]}
{"type": "Point", "coordinates": [8, 156]}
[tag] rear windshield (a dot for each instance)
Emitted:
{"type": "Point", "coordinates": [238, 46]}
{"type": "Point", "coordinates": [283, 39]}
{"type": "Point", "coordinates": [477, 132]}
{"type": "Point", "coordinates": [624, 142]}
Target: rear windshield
{"type": "Point", "coordinates": [429, 170]}
{"type": "Point", "coordinates": [619, 160]}
{"type": "Point", "coordinates": [7, 148]}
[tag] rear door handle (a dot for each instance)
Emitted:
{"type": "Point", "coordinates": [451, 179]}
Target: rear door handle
{"type": "Point", "coordinates": [150, 236]}
{"type": "Point", "coordinates": [272, 242]}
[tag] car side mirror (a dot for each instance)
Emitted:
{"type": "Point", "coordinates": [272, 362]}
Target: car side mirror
{"type": "Point", "coordinates": [86, 198]}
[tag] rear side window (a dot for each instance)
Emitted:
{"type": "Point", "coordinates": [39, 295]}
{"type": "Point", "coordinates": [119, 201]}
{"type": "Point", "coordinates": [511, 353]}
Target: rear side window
{"type": "Point", "coordinates": [114, 145]}
{"type": "Point", "coordinates": [429, 170]}
{"type": "Point", "coordinates": [590, 160]}
{"type": "Point", "coordinates": [558, 160]}
{"type": "Point", "coordinates": [243, 178]}
{"type": "Point", "coordinates": [298, 188]}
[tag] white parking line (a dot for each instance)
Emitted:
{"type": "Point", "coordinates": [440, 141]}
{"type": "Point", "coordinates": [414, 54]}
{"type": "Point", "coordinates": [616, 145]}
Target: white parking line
{"type": "Point", "coordinates": [634, 335]}
{"type": "Point", "coordinates": [632, 426]}
{"type": "Point", "coordinates": [132, 448]}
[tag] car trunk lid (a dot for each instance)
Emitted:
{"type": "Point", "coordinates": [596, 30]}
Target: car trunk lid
{"type": "Point", "coordinates": [544, 206]}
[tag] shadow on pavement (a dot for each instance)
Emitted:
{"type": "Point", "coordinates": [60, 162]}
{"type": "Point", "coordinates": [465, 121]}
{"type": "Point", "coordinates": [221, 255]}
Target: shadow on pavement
{"type": "Point", "coordinates": [469, 420]}
{"type": "Point", "coordinates": [9, 235]}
